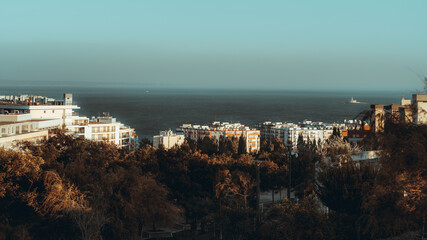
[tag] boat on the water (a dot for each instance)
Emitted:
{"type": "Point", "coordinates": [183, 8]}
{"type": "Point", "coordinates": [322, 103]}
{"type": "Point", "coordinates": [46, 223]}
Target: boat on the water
{"type": "Point", "coordinates": [354, 101]}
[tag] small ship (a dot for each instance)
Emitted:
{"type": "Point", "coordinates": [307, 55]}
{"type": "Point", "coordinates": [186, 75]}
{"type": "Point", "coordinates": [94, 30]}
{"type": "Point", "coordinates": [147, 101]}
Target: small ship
{"type": "Point", "coordinates": [354, 101]}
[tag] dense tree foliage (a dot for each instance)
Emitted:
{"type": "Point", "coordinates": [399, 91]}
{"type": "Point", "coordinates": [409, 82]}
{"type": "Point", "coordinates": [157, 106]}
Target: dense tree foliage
{"type": "Point", "coordinates": [66, 188]}
{"type": "Point", "coordinates": [379, 200]}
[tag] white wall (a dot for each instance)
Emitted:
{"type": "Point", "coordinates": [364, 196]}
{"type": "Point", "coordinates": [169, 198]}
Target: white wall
{"type": "Point", "coordinates": [168, 141]}
{"type": "Point", "coordinates": [14, 118]}
{"type": "Point", "coordinates": [7, 142]}
{"type": "Point", "coordinates": [52, 123]}
{"type": "Point", "coordinates": [47, 113]}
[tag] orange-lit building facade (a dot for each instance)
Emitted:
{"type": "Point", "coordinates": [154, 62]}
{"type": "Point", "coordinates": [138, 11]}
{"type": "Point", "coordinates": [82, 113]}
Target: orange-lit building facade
{"type": "Point", "coordinates": [355, 136]}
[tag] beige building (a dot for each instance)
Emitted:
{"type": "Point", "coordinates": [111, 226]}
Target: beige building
{"type": "Point", "coordinates": [420, 104]}
{"type": "Point", "coordinates": [406, 111]}
{"type": "Point", "coordinates": [225, 129]}
{"type": "Point", "coordinates": [168, 139]}
{"type": "Point", "coordinates": [381, 112]}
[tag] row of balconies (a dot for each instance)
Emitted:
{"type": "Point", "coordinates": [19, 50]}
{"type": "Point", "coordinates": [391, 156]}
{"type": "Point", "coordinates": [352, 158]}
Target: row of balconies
{"type": "Point", "coordinates": [102, 130]}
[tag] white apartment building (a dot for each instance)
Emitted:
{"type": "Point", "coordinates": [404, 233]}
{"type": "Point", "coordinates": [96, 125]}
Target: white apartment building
{"type": "Point", "coordinates": [168, 139]}
{"type": "Point", "coordinates": [20, 127]}
{"type": "Point", "coordinates": [39, 108]}
{"type": "Point", "coordinates": [309, 130]}
{"type": "Point", "coordinates": [103, 129]}
{"type": "Point", "coordinates": [225, 129]}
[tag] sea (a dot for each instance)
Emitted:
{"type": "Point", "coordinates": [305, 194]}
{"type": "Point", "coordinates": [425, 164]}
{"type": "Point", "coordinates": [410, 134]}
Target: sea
{"type": "Point", "coordinates": [150, 110]}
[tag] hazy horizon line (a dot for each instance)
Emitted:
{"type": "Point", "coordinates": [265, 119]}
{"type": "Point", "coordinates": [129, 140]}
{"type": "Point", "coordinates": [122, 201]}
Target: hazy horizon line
{"type": "Point", "coordinates": [153, 86]}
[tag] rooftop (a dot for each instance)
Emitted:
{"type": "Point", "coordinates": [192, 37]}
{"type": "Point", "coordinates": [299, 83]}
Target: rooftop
{"type": "Point", "coordinates": [306, 124]}
{"type": "Point", "coordinates": [217, 126]}
{"type": "Point", "coordinates": [34, 100]}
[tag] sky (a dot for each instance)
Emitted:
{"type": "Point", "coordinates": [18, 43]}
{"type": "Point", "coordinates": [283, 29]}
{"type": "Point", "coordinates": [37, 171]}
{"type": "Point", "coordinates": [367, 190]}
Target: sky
{"type": "Point", "coordinates": [311, 45]}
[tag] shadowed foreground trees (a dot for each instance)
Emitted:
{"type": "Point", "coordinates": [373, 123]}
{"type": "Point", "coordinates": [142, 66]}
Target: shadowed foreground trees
{"type": "Point", "coordinates": [96, 186]}
{"type": "Point", "coordinates": [302, 220]}
{"type": "Point", "coordinates": [344, 190]}
{"type": "Point", "coordinates": [400, 189]}
{"type": "Point", "coordinates": [387, 199]}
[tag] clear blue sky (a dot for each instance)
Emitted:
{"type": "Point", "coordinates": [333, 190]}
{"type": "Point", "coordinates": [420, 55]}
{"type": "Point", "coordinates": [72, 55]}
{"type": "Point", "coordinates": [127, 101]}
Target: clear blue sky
{"type": "Point", "coordinates": [225, 44]}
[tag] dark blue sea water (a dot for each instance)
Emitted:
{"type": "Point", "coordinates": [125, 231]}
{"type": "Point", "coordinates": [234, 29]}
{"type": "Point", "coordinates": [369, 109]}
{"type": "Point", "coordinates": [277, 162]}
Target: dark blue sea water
{"type": "Point", "coordinates": [152, 110]}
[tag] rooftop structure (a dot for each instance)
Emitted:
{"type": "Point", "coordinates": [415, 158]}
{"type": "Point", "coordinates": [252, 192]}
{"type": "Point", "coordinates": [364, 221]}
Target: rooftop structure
{"type": "Point", "coordinates": [224, 129]}
{"type": "Point", "coordinates": [30, 100]}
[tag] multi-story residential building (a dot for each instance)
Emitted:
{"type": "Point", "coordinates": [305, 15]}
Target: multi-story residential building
{"type": "Point", "coordinates": [103, 129]}
{"type": "Point", "coordinates": [15, 127]}
{"type": "Point", "coordinates": [168, 139]}
{"type": "Point", "coordinates": [225, 129]}
{"type": "Point", "coordinates": [268, 129]}
{"type": "Point", "coordinates": [310, 131]}
{"type": "Point", "coordinates": [39, 108]}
